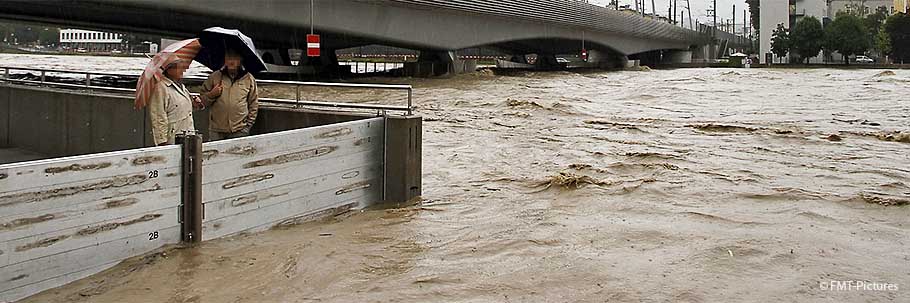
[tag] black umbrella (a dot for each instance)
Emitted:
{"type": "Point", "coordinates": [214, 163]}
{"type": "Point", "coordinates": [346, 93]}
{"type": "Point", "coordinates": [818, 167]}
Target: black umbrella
{"type": "Point", "coordinates": [216, 40]}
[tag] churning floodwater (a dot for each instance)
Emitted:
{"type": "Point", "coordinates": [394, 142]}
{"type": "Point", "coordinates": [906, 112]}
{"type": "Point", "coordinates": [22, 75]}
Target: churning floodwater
{"type": "Point", "coordinates": [685, 185]}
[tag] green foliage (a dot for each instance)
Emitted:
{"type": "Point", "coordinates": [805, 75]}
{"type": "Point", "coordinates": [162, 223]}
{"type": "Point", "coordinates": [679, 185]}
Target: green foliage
{"type": "Point", "coordinates": [754, 13]}
{"type": "Point", "coordinates": [780, 41]}
{"type": "Point", "coordinates": [806, 38]}
{"type": "Point", "coordinates": [48, 35]}
{"type": "Point", "coordinates": [883, 42]}
{"type": "Point", "coordinates": [847, 35]}
{"type": "Point", "coordinates": [874, 21]}
{"type": "Point", "coordinates": [898, 29]}
{"type": "Point", "coordinates": [27, 34]}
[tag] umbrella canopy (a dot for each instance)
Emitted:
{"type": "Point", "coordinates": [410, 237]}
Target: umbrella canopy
{"type": "Point", "coordinates": [184, 50]}
{"type": "Point", "coordinates": [216, 40]}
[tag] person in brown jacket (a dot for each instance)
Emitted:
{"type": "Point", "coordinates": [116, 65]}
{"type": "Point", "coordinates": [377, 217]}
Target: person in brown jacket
{"type": "Point", "coordinates": [233, 97]}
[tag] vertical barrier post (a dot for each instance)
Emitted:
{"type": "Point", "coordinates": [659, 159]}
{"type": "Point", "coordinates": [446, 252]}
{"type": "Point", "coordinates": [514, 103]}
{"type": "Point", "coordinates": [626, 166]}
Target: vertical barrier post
{"type": "Point", "coordinates": [191, 213]}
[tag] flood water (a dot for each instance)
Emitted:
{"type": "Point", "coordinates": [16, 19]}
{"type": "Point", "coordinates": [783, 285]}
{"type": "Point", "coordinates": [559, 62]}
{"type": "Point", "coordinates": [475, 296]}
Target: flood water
{"type": "Point", "coordinates": [686, 185]}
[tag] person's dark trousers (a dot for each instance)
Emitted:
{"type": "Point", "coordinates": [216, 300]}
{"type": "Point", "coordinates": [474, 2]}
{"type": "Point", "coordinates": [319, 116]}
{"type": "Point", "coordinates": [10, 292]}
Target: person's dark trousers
{"type": "Point", "coordinates": [216, 136]}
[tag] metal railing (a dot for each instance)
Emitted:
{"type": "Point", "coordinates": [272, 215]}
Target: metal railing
{"type": "Point", "coordinates": [297, 102]}
{"type": "Point", "coordinates": [43, 74]}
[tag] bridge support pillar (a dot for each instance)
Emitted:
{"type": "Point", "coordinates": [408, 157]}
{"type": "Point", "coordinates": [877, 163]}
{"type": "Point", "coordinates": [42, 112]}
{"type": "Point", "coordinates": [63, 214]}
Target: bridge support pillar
{"type": "Point", "coordinates": [548, 62]}
{"type": "Point", "coordinates": [605, 59]}
{"type": "Point", "coordinates": [325, 64]}
{"type": "Point", "coordinates": [438, 63]}
{"type": "Point", "coordinates": [677, 57]}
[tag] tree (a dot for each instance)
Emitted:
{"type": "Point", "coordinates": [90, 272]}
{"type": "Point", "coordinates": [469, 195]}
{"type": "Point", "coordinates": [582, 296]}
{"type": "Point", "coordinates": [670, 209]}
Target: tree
{"type": "Point", "coordinates": [806, 38]}
{"type": "Point", "coordinates": [898, 28]}
{"type": "Point", "coordinates": [49, 36]}
{"type": "Point", "coordinates": [780, 41]}
{"type": "Point", "coordinates": [874, 21]}
{"type": "Point", "coordinates": [883, 42]}
{"type": "Point", "coordinates": [754, 13]}
{"type": "Point", "coordinates": [848, 36]}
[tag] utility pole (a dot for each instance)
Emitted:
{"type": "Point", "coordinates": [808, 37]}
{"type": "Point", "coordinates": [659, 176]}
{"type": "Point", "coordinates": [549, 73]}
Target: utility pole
{"type": "Point", "coordinates": [733, 22]}
{"type": "Point", "coordinates": [745, 26]}
{"type": "Point", "coordinates": [653, 9]}
{"type": "Point", "coordinates": [689, 9]}
{"type": "Point", "coordinates": [714, 12]}
{"type": "Point", "coordinates": [682, 19]}
{"type": "Point", "coordinates": [670, 11]}
{"type": "Point", "coordinates": [674, 12]}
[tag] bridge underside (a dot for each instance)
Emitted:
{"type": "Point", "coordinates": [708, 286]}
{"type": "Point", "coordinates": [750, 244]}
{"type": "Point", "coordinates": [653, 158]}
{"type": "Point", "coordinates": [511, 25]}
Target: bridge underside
{"type": "Point", "coordinates": [352, 23]}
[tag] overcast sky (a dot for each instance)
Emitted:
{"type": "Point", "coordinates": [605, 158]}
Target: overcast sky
{"type": "Point", "coordinates": [699, 8]}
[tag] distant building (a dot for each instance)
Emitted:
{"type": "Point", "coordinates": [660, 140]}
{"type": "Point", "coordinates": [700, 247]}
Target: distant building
{"type": "Point", "coordinates": [807, 8]}
{"type": "Point", "coordinates": [773, 12]}
{"type": "Point", "coordinates": [901, 6]}
{"type": "Point", "coordinates": [861, 7]}
{"type": "Point", "coordinates": [90, 40]}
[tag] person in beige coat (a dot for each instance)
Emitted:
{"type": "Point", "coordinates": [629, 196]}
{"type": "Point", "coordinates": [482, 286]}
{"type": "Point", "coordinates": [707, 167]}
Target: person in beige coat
{"type": "Point", "coordinates": [233, 97]}
{"type": "Point", "coordinates": [171, 105]}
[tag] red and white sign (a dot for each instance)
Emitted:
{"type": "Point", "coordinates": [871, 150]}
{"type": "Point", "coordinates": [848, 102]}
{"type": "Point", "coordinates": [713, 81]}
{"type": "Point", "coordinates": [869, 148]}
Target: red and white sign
{"type": "Point", "coordinates": [584, 55]}
{"type": "Point", "coordinates": [312, 45]}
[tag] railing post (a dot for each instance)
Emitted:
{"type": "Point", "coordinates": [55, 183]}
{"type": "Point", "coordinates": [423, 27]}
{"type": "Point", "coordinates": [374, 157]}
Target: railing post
{"type": "Point", "coordinates": [297, 105]}
{"type": "Point", "coordinates": [42, 77]}
{"type": "Point", "coordinates": [410, 93]}
{"type": "Point", "coordinates": [88, 79]}
{"type": "Point", "coordinates": [192, 211]}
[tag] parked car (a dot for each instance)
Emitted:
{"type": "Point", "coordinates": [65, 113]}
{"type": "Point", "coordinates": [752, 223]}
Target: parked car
{"type": "Point", "coordinates": [864, 59]}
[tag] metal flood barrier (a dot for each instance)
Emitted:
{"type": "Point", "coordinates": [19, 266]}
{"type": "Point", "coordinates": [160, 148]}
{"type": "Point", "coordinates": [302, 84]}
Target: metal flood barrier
{"type": "Point", "coordinates": [64, 219]}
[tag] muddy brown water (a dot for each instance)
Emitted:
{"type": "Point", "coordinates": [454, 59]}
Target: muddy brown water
{"type": "Point", "coordinates": [687, 185]}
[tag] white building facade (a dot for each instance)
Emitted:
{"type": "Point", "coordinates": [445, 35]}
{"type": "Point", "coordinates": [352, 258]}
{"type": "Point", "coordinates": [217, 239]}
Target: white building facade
{"type": "Point", "coordinates": [90, 40]}
{"type": "Point", "coordinates": [773, 12]}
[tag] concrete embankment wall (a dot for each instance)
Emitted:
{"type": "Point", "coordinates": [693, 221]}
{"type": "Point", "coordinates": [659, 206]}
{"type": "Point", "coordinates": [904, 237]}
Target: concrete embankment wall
{"type": "Point", "coordinates": [64, 219]}
{"type": "Point", "coordinates": [57, 123]}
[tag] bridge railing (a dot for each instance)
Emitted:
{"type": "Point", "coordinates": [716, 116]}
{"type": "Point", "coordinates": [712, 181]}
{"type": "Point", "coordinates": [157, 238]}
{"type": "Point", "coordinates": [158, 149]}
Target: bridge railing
{"type": "Point", "coordinates": [571, 13]}
{"type": "Point", "coordinates": [89, 80]}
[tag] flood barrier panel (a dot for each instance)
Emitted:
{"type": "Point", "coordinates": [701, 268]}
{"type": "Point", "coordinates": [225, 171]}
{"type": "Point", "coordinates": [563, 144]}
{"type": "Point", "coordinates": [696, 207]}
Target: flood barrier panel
{"type": "Point", "coordinates": [254, 183]}
{"type": "Point", "coordinates": [65, 219]}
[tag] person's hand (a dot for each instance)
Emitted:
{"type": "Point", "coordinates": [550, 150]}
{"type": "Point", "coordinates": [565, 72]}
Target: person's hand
{"type": "Point", "coordinates": [197, 103]}
{"type": "Point", "coordinates": [215, 92]}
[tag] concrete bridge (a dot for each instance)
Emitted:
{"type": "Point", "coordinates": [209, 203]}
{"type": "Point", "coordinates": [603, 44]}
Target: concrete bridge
{"type": "Point", "coordinates": [435, 27]}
